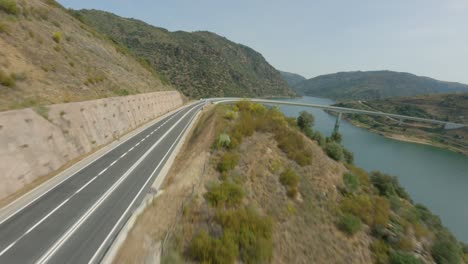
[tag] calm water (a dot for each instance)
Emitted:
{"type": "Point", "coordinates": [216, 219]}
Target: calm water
{"type": "Point", "coordinates": [434, 177]}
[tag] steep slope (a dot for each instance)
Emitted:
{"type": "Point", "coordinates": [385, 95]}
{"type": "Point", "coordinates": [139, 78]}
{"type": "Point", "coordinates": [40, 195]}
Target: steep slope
{"type": "Point", "coordinates": [450, 107]}
{"type": "Point", "coordinates": [200, 64]}
{"type": "Point", "coordinates": [374, 85]}
{"type": "Point", "coordinates": [47, 56]}
{"type": "Point", "coordinates": [249, 186]}
{"type": "Point", "coordinates": [292, 79]}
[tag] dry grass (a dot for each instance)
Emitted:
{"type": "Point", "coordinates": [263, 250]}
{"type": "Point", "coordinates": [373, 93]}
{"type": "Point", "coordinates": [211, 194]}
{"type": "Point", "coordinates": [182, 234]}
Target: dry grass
{"type": "Point", "coordinates": [184, 176]}
{"type": "Point", "coordinates": [31, 43]}
{"type": "Point", "coordinates": [304, 227]}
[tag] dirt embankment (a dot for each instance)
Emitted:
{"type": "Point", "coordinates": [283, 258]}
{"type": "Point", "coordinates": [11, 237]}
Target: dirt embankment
{"type": "Point", "coordinates": [305, 227]}
{"type": "Point", "coordinates": [40, 141]}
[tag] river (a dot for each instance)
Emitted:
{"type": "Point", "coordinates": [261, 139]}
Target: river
{"type": "Point", "coordinates": [434, 177]}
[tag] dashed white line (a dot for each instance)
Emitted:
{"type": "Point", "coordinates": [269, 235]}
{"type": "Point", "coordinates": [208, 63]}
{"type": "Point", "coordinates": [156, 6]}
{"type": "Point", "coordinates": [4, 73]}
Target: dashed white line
{"type": "Point", "coordinates": [84, 217]}
{"type": "Point", "coordinates": [113, 163]}
{"type": "Point", "coordinates": [45, 217]}
{"type": "Point", "coordinates": [104, 170]}
{"type": "Point", "coordinates": [123, 155]}
{"type": "Point", "coordinates": [84, 186]}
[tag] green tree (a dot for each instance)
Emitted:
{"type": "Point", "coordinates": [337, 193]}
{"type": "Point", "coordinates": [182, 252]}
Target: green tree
{"type": "Point", "coordinates": [334, 151]}
{"type": "Point", "coordinates": [305, 120]}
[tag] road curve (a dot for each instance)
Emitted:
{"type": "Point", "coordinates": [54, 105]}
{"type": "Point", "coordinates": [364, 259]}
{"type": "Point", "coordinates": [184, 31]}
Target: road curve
{"type": "Point", "coordinates": [77, 220]}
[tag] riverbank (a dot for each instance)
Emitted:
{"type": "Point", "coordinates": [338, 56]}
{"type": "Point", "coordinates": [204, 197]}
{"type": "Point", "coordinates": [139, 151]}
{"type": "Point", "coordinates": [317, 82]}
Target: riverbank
{"type": "Point", "coordinates": [422, 137]}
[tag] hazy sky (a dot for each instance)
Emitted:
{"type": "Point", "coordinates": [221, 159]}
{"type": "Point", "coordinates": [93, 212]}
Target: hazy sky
{"type": "Point", "coordinates": [425, 37]}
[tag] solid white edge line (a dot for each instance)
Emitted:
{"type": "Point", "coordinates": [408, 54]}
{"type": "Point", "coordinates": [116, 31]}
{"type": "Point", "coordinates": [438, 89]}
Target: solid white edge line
{"type": "Point", "coordinates": [73, 174]}
{"type": "Point", "coordinates": [77, 224]}
{"type": "Point", "coordinates": [138, 194]}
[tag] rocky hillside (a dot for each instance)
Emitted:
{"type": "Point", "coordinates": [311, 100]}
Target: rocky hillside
{"type": "Point", "coordinates": [47, 56]}
{"type": "Point", "coordinates": [253, 186]}
{"type": "Point", "coordinates": [292, 79]}
{"type": "Point", "coordinates": [374, 85]}
{"type": "Point", "coordinates": [200, 64]}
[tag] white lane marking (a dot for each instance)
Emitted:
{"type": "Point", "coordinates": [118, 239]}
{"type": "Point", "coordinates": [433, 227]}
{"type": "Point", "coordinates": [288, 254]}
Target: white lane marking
{"type": "Point", "coordinates": [104, 170]}
{"type": "Point", "coordinates": [137, 144]}
{"type": "Point", "coordinates": [93, 259]}
{"type": "Point", "coordinates": [113, 163]}
{"type": "Point", "coordinates": [7, 248]}
{"type": "Point", "coordinates": [84, 186]}
{"type": "Point", "coordinates": [131, 149]}
{"type": "Point", "coordinates": [83, 218]}
{"type": "Point", "coordinates": [45, 217]}
{"type": "Point", "coordinates": [123, 155]}
{"type": "Point", "coordinates": [32, 228]}
{"type": "Point", "coordinates": [66, 178]}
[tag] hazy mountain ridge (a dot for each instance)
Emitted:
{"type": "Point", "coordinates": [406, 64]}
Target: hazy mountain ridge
{"type": "Point", "coordinates": [200, 64]}
{"type": "Point", "coordinates": [374, 85]}
{"type": "Point", "coordinates": [292, 79]}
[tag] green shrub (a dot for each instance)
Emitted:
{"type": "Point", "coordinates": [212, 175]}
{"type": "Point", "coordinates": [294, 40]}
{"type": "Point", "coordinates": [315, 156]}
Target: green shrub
{"type": "Point", "coordinates": [7, 80]}
{"type": "Point", "coordinates": [223, 141]}
{"type": "Point", "coordinates": [334, 151]}
{"type": "Point", "coordinates": [292, 143]}
{"type": "Point", "coordinates": [305, 120]}
{"type": "Point", "coordinates": [9, 7]}
{"type": "Point", "coordinates": [374, 211]}
{"type": "Point", "coordinates": [317, 136]}
{"type": "Point", "coordinates": [228, 162]}
{"type": "Point", "coordinates": [351, 182]}
{"type": "Point", "coordinates": [290, 180]}
{"type": "Point", "coordinates": [253, 233]}
{"type": "Point", "coordinates": [57, 37]}
{"type": "Point", "coordinates": [3, 28]}
{"type": "Point", "coordinates": [445, 249]}
{"type": "Point", "coordinates": [231, 115]}
{"type": "Point", "coordinates": [336, 137]}
{"type": "Point", "coordinates": [388, 185]}
{"type": "Point", "coordinates": [399, 257]}
{"type": "Point", "coordinates": [224, 194]}
{"type": "Point", "coordinates": [380, 251]}
{"type": "Point", "coordinates": [349, 224]}
{"type": "Point", "coordinates": [348, 156]}
{"type": "Point", "coordinates": [207, 249]}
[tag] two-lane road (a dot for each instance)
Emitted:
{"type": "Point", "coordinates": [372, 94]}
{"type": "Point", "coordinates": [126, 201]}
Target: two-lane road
{"type": "Point", "coordinates": [77, 220]}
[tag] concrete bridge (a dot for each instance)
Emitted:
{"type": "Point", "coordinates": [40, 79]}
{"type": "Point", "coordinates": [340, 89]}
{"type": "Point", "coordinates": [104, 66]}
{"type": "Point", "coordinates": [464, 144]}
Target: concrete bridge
{"type": "Point", "coordinates": [342, 110]}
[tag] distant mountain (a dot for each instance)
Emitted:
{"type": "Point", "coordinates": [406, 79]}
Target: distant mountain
{"type": "Point", "coordinates": [374, 85]}
{"type": "Point", "coordinates": [292, 79]}
{"type": "Point", "coordinates": [200, 64]}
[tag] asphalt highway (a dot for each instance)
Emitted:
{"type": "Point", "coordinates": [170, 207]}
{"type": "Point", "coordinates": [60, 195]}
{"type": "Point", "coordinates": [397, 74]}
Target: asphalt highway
{"type": "Point", "coordinates": [77, 220]}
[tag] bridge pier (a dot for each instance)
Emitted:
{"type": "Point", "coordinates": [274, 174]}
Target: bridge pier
{"type": "Point", "coordinates": [337, 122]}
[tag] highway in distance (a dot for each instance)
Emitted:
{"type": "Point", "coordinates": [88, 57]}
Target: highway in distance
{"type": "Point", "coordinates": [77, 220]}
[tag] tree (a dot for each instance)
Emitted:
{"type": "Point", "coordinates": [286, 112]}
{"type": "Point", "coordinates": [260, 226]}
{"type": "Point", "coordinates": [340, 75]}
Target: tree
{"type": "Point", "coordinates": [305, 120]}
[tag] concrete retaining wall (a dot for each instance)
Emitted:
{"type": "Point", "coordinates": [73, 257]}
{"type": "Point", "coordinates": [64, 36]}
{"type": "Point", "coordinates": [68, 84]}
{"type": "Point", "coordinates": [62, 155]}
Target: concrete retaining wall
{"type": "Point", "coordinates": [32, 144]}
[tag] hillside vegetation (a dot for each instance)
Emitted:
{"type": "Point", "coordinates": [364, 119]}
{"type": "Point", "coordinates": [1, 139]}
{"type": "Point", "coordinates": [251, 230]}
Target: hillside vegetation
{"type": "Point", "coordinates": [374, 85]}
{"type": "Point", "coordinates": [292, 79]}
{"type": "Point", "coordinates": [47, 56]}
{"type": "Point", "coordinates": [448, 107]}
{"type": "Point", "coordinates": [200, 64]}
{"type": "Point", "coordinates": [273, 190]}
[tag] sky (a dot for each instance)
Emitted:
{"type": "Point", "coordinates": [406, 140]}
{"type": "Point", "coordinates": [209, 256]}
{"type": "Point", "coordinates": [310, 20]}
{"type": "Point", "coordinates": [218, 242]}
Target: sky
{"type": "Point", "coordinates": [311, 38]}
